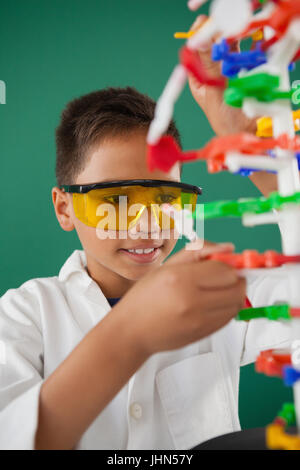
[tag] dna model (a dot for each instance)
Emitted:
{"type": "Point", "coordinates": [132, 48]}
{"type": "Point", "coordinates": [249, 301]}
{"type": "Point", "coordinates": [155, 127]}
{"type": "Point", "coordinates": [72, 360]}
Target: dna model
{"type": "Point", "coordinates": [257, 81]}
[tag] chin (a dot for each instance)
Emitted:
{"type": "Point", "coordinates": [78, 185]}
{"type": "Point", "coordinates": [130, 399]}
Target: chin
{"type": "Point", "coordinates": [136, 273]}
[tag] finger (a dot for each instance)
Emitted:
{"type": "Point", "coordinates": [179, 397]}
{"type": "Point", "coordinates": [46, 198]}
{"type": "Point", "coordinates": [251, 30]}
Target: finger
{"type": "Point", "coordinates": [199, 21]}
{"type": "Point", "coordinates": [183, 257]}
{"type": "Point", "coordinates": [207, 248]}
{"type": "Point", "coordinates": [209, 244]}
{"type": "Point", "coordinates": [198, 24]}
{"type": "Point", "coordinates": [212, 68]}
{"type": "Point", "coordinates": [209, 274]}
{"type": "Point", "coordinates": [217, 319]}
{"type": "Point", "coordinates": [198, 90]}
{"type": "Point", "coordinates": [220, 248]}
{"type": "Point", "coordinates": [195, 4]}
{"type": "Point", "coordinates": [205, 50]}
{"type": "Point", "coordinates": [202, 244]}
{"type": "Point", "coordinates": [226, 298]}
{"type": "Point", "coordinates": [225, 314]}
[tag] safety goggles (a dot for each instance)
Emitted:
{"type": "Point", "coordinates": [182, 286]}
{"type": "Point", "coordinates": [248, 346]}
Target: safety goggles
{"type": "Point", "coordinates": [119, 205]}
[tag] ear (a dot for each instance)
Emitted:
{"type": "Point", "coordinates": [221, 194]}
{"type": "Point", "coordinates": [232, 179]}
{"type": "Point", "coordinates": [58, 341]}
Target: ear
{"type": "Point", "coordinates": [63, 207]}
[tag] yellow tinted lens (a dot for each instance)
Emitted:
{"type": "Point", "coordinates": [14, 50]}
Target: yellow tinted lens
{"type": "Point", "coordinates": [121, 207]}
{"type": "Point", "coordinates": [183, 201]}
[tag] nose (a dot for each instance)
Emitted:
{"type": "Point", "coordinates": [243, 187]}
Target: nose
{"type": "Point", "coordinates": [147, 224]}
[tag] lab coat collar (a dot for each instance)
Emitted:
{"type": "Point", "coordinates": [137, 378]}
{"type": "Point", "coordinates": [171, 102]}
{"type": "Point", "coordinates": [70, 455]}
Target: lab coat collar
{"type": "Point", "coordinates": [76, 263]}
{"type": "Point", "coordinates": [75, 268]}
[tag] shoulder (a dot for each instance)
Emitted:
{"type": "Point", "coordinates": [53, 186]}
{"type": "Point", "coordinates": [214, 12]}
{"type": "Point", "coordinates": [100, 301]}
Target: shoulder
{"type": "Point", "coordinates": [21, 305]}
{"type": "Point", "coordinates": [25, 303]}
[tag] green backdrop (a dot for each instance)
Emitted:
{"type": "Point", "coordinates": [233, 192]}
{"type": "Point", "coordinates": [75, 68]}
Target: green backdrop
{"type": "Point", "coordinates": [53, 51]}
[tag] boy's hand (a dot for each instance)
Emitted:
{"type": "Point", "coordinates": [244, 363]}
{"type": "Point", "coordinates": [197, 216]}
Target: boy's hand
{"type": "Point", "coordinates": [183, 301]}
{"type": "Point", "coordinates": [222, 118]}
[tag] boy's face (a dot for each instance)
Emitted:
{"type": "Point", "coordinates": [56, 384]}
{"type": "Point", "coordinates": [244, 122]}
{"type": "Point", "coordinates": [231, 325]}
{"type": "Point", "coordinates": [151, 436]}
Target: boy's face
{"type": "Point", "coordinates": [117, 158]}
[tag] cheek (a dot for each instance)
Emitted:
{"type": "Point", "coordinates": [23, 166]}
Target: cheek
{"type": "Point", "coordinates": [168, 247]}
{"type": "Point", "coordinates": [93, 240]}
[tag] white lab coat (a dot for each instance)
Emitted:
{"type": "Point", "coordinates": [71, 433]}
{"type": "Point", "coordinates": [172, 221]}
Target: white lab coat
{"type": "Point", "coordinates": [176, 400]}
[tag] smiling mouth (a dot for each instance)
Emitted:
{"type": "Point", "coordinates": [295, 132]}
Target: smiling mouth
{"type": "Point", "coordinates": [140, 251]}
{"type": "Point", "coordinates": [142, 255]}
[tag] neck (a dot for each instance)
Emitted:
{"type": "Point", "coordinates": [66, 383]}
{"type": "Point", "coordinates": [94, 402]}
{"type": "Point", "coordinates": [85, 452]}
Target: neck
{"type": "Point", "coordinates": [112, 284]}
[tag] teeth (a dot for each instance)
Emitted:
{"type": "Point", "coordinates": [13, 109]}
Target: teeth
{"type": "Point", "coordinates": [148, 250]}
{"type": "Point", "coordinates": [140, 251]}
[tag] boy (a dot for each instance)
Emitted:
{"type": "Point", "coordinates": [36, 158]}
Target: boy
{"type": "Point", "coordinates": [146, 373]}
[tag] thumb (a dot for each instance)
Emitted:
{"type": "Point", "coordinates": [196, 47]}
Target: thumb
{"type": "Point", "coordinates": [206, 49]}
{"type": "Point", "coordinates": [183, 256]}
{"type": "Point", "coordinates": [213, 68]}
{"type": "Point", "coordinates": [208, 248]}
